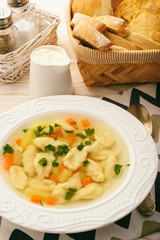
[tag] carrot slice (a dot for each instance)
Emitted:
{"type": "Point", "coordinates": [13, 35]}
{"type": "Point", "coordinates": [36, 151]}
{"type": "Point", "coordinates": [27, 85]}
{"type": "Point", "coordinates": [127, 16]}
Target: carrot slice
{"type": "Point", "coordinates": [75, 126]}
{"type": "Point", "coordinates": [58, 133]}
{"type": "Point", "coordinates": [85, 123]}
{"type": "Point", "coordinates": [62, 168]}
{"type": "Point", "coordinates": [86, 181]}
{"type": "Point", "coordinates": [36, 199]}
{"type": "Point", "coordinates": [70, 121]}
{"type": "Point", "coordinates": [55, 179]}
{"type": "Point", "coordinates": [50, 201]}
{"type": "Point", "coordinates": [18, 141]}
{"type": "Point", "coordinates": [70, 136]}
{"type": "Point", "coordinates": [9, 160]}
{"type": "Point", "coordinates": [52, 135]}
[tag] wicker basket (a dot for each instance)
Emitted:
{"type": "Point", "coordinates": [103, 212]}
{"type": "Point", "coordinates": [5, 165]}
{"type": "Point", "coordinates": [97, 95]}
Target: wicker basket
{"type": "Point", "coordinates": [114, 67]}
{"type": "Point", "coordinates": [15, 64]}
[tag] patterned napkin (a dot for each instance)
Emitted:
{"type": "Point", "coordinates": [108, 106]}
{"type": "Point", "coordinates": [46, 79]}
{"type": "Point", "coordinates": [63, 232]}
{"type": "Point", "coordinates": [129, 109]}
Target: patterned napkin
{"type": "Point", "coordinates": [134, 225]}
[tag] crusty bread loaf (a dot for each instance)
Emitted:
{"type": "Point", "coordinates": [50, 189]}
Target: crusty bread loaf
{"type": "Point", "coordinates": [112, 23]}
{"type": "Point", "coordinates": [99, 26]}
{"type": "Point", "coordinates": [121, 42]}
{"type": "Point", "coordinates": [89, 36]}
{"type": "Point", "coordinates": [127, 9]}
{"type": "Point", "coordinates": [142, 42]}
{"type": "Point", "coordinates": [147, 21]}
{"type": "Point", "coordinates": [92, 7]}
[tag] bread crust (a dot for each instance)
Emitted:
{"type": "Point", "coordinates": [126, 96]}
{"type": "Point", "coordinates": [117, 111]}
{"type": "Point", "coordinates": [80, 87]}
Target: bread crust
{"type": "Point", "coordinates": [89, 36]}
{"type": "Point", "coordinates": [98, 25]}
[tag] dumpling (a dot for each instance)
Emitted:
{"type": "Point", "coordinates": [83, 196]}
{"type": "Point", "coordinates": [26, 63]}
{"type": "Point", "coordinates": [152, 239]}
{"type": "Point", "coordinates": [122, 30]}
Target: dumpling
{"type": "Point", "coordinates": [76, 142]}
{"type": "Point", "coordinates": [61, 189]}
{"type": "Point", "coordinates": [27, 160]}
{"type": "Point", "coordinates": [103, 137]}
{"type": "Point", "coordinates": [102, 155]}
{"type": "Point", "coordinates": [94, 170]}
{"type": "Point", "coordinates": [108, 168]}
{"type": "Point", "coordinates": [42, 142]}
{"type": "Point", "coordinates": [43, 170]}
{"type": "Point", "coordinates": [18, 177]}
{"type": "Point", "coordinates": [64, 125]}
{"type": "Point", "coordinates": [42, 184]}
{"type": "Point", "coordinates": [94, 147]}
{"type": "Point", "coordinates": [74, 158]}
{"type": "Point", "coordinates": [90, 191]}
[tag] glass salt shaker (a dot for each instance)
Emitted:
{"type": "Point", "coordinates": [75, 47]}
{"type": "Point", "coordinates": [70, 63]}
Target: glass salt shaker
{"type": "Point", "coordinates": [8, 32]}
{"type": "Point", "coordinates": [24, 17]}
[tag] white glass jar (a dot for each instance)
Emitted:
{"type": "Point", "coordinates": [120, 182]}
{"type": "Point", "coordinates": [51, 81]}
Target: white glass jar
{"type": "Point", "coordinates": [24, 18]}
{"type": "Point", "coordinates": [8, 32]}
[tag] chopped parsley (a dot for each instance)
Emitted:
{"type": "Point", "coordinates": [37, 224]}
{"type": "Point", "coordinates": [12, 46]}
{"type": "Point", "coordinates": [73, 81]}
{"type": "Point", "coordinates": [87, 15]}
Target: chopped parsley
{"type": "Point", "coordinates": [89, 131]}
{"type": "Point", "coordinates": [80, 146]}
{"type": "Point", "coordinates": [54, 163]}
{"type": "Point", "coordinates": [69, 131]}
{"type": "Point", "coordinates": [62, 149]}
{"type": "Point", "coordinates": [41, 203]}
{"type": "Point", "coordinates": [85, 163]}
{"type": "Point", "coordinates": [117, 168]}
{"type": "Point", "coordinates": [43, 162]}
{"type": "Point", "coordinates": [7, 149]}
{"type": "Point", "coordinates": [88, 142]}
{"type": "Point", "coordinates": [25, 130]}
{"type": "Point", "coordinates": [81, 135]}
{"type": "Point", "coordinates": [38, 132]}
{"type": "Point", "coordinates": [70, 193]}
{"type": "Point", "coordinates": [128, 165]}
{"type": "Point", "coordinates": [49, 148]}
{"type": "Point", "coordinates": [56, 125]}
{"type": "Point", "coordinates": [55, 138]}
{"type": "Point", "coordinates": [50, 129]}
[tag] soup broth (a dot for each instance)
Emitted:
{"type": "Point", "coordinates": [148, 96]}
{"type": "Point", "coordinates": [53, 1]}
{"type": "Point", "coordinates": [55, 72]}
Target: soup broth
{"type": "Point", "coordinates": [65, 160]}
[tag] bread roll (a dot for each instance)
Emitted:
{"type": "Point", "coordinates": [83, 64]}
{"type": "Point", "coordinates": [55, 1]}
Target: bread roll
{"type": "Point", "coordinates": [147, 21]}
{"type": "Point", "coordinates": [99, 26]}
{"type": "Point", "coordinates": [127, 9]}
{"type": "Point", "coordinates": [92, 7]}
{"type": "Point", "coordinates": [89, 36]}
{"type": "Point", "coordinates": [112, 23]}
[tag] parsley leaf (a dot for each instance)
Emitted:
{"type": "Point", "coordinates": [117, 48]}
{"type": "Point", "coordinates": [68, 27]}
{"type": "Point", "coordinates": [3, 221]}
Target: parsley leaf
{"type": "Point", "coordinates": [88, 142]}
{"type": "Point", "coordinates": [25, 130]}
{"type": "Point", "coordinates": [69, 131]}
{"type": "Point", "coordinates": [56, 125]}
{"type": "Point", "coordinates": [43, 162]}
{"type": "Point", "coordinates": [62, 149]}
{"type": "Point", "coordinates": [54, 163]}
{"type": "Point", "coordinates": [7, 149]}
{"type": "Point", "coordinates": [85, 163]}
{"type": "Point", "coordinates": [39, 129]}
{"type": "Point", "coordinates": [117, 168]}
{"type": "Point", "coordinates": [70, 193]}
{"type": "Point", "coordinates": [89, 131]}
{"type": "Point", "coordinates": [81, 135]}
{"type": "Point", "coordinates": [80, 146]}
{"type": "Point", "coordinates": [49, 148]}
{"type": "Point", "coordinates": [50, 129]}
{"type": "Point", "coordinates": [128, 165]}
{"type": "Point", "coordinates": [39, 132]}
{"type": "Point", "coordinates": [55, 138]}
{"type": "Point", "coordinates": [41, 203]}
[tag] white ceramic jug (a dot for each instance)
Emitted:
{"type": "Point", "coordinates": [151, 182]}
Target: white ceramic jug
{"type": "Point", "coordinates": [50, 72]}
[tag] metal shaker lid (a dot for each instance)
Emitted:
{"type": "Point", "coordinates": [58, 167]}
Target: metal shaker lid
{"type": "Point", "coordinates": [17, 3]}
{"type": "Point", "coordinates": [5, 17]}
